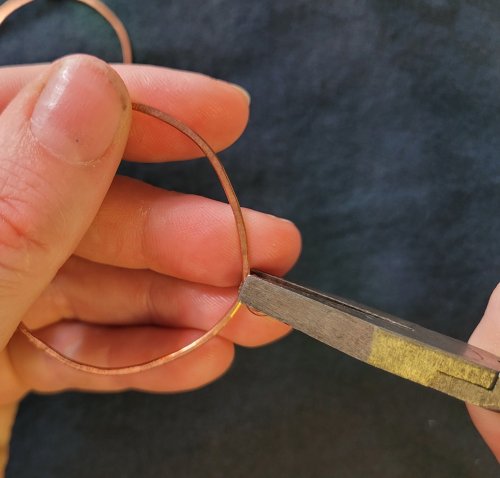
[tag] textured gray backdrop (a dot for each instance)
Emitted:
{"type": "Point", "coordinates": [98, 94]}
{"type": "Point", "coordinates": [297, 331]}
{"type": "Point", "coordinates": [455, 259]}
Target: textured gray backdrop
{"type": "Point", "coordinates": [375, 128]}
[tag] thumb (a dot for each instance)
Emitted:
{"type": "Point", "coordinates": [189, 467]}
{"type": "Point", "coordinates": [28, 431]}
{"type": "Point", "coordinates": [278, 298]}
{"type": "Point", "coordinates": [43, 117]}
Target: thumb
{"type": "Point", "coordinates": [61, 140]}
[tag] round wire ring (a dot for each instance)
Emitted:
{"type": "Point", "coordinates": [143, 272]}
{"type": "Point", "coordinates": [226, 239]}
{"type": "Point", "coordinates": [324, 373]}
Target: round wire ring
{"type": "Point", "coordinates": [10, 6]}
{"type": "Point", "coordinates": [243, 243]}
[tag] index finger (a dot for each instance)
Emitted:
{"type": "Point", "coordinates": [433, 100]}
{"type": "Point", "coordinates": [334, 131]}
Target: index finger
{"type": "Point", "coordinates": [216, 110]}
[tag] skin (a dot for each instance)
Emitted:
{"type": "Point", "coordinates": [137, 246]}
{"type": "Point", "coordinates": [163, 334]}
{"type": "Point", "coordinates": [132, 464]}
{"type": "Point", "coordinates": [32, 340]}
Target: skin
{"type": "Point", "coordinates": [113, 271]}
{"type": "Point", "coordinates": [108, 269]}
{"type": "Point", "coordinates": [487, 337]}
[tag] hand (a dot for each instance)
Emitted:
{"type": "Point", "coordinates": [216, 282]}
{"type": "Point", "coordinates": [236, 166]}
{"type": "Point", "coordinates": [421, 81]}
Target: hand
{"type": "Point", "coordinates": [487, 337]}
{"type": "Point", "coordinates": [78, 243]}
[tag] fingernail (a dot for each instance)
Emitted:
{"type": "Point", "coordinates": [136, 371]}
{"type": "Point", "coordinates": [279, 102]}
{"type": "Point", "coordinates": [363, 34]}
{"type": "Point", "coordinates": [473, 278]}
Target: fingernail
{"type": "Point", "coordinates": [242, 90]}
{"type": "Point", "coordinates": [282, 219]}
{"type": "Point", "coordinates": [79, 110]}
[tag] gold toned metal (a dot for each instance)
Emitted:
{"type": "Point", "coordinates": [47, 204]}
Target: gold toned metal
{"type": "Point", "coordinates": [386, 342]}
{"type": "Point", "coordinates": [245, 269]}
{"type": "Point", "coordinates": [10, 6]}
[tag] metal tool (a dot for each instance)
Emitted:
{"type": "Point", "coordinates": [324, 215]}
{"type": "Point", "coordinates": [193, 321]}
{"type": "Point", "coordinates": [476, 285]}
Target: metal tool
{"type": "Point", "coordinates": [386, 342]}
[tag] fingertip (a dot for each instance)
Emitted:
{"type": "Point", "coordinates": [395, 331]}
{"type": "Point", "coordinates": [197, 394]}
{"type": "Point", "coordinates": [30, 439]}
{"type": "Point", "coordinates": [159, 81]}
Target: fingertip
{"type": "Point", "coordinates": [245, 95]}
{"type": "Point", "coordinates": [487, 333]}
{"type": "Point", "coordinates": [217, 110]}
{"type": "Point", "coordinates": [275, 243]}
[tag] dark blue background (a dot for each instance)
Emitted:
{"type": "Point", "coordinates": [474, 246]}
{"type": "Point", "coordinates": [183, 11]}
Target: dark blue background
{"type": "Point", "coordinates": [375, 128]}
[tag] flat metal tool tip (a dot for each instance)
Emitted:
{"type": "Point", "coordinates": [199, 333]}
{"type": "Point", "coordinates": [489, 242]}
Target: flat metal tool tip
{"type": "Point", "coordinates": [386, 342]}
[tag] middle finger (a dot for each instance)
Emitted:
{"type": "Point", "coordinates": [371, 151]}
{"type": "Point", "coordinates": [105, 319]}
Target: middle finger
{"type": "Point", "coordinates": [189, 237]}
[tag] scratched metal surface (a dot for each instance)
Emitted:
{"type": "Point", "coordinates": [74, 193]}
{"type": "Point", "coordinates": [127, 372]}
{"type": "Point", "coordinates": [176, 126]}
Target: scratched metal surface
{"type": "Point", "coordinates": [374, 127]}
{"type": "Point", "coordinates": [386, 342]}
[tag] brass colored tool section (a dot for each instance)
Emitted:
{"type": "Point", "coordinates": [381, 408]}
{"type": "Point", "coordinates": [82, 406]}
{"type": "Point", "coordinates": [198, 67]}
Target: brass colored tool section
{"type": "Point", "coordinates": [433, 368]}
{"type": "Point", "coordinates": [386, 342]}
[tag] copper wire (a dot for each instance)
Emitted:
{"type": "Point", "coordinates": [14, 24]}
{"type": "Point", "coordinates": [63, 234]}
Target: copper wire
{"type": "Point", "coordinates": [10, 6]}
{"type": "Point", "coordinates": [243, 244]}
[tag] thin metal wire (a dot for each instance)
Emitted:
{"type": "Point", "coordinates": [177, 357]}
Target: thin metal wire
{"type": "Point", "coordinates": [129, 369]}
{"type": "Point", "coordinates": [10, 6]}
{"type": "Point", "coordinates": [243, 243]}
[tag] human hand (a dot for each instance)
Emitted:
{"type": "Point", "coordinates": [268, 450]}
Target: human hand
{"type": "Point", "coordinates": [78, 243]}
{"type": "Point", "coordinates": [487, 337]}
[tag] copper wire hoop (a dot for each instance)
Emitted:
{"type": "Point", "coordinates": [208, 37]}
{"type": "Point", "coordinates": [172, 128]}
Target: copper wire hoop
{"type": "Point", "coordinates": [10, 6]}
{"type": "Point", "coordinates": [243, 243]}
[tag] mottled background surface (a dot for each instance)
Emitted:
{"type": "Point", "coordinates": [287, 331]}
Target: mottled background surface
{"type": "Point", "coordinates": [375, 128]}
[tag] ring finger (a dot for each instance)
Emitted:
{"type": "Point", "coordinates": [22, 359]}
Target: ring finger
{"type": "Point", "coordinates": [106, 295]}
